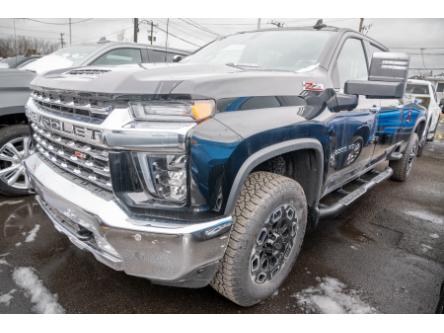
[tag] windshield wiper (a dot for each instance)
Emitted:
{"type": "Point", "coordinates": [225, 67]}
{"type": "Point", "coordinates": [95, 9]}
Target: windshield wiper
{"type": "Point", "coordinates": [242, 66]}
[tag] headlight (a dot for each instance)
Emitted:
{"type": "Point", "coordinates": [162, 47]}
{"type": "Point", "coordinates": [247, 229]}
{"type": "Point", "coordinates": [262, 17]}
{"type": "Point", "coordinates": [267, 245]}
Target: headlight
{"type": "Point", "coordinates": [165, 176]}
{"type": "Point", "coordinates": [146, 180]}
{"type": "Point", "coordinates": [180, 110]}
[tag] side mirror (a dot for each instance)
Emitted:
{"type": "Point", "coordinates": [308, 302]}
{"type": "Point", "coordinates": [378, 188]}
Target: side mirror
{"type": "Point", "coordinates": [387, 77]}
{"type": "Point", "coordinates": [177, 58]}
{"type": "Point", "coordinates": [342, 102]}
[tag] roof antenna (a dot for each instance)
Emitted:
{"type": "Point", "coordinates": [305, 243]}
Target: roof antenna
{"type": "Point", "coordinates": [319, 25]}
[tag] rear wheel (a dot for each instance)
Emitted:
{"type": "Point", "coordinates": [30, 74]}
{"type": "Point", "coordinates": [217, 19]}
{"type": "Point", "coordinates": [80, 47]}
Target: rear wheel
{"type": "Point", "coordinates": [421, 145]}
{"type": "Point", "coordinates": [401, 168]}
{"type": "Point", "coordinates": [15, 146]}
{"type": "Point", "coordinates": [270, 219]}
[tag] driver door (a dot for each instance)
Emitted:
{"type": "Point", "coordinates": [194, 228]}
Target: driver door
{"type": "Point", "coordinates": [351, 133]}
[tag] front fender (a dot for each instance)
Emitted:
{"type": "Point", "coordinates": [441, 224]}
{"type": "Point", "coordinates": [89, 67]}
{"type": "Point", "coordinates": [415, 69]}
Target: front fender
{"type": "Point", "coordinates": [269, 152]}
{"type": "Point", "coordinates": [225, 149]}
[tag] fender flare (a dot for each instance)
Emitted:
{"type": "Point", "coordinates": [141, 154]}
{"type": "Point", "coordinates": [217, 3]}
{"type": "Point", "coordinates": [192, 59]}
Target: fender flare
{"type": "Point", "coordinates": [418, 122]}
{"type": "Point", "coordinates": [269, 152]}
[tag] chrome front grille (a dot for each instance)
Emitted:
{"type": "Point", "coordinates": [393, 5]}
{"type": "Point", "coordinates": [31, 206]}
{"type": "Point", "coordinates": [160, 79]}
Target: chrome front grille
{"type": "Point", "coordinates": [82, 160]}
{"type": "Point", "coordinates": [90, 107]}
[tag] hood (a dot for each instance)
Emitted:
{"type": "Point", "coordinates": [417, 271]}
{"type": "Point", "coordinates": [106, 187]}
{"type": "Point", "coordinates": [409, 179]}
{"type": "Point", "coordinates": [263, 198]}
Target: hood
{"type": "Point", "coordinates": [195, 80]}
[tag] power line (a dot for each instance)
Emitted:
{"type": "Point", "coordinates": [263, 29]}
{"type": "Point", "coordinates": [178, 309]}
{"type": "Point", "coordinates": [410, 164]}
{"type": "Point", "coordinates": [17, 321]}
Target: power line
{"type": "Point", "coordinates": [417, 48]}
{"type": "Point", "coordinates": [178, 37]}
{"type": "Point", "coordinates": [24, 29]}
{"type": "Point", "coordinates": [170, 33]}
{"type": "Point", "coordinates": [199, 26]}
{"type": "Point", "coordinates": [190, 31]}
{"type": "Point", "coordinates": [111, 34]}
{"type": "Point", "coordinates": [55, 23]}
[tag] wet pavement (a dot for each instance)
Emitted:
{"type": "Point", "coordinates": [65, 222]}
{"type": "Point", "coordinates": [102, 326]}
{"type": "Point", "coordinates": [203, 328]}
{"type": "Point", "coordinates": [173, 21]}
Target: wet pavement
{"type": "Point", "coordinates": [385, 253]}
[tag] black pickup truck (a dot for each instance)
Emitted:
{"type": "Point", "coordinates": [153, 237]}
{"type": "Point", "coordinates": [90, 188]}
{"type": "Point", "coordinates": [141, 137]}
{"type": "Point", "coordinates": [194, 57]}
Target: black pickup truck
{"type": "Point", "coordinates": [211, 170]}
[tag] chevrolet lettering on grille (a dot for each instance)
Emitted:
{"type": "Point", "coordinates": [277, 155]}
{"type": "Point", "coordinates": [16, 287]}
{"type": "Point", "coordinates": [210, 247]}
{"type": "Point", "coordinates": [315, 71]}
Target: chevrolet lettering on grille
{"type": "Point", "coordinates": [65, 127]}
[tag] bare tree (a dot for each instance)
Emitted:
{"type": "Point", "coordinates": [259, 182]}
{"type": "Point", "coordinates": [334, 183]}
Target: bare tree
{"type": "Point", "coordinates": [121, 36]}
{"type": "Point", "coordinates": [26, 46]}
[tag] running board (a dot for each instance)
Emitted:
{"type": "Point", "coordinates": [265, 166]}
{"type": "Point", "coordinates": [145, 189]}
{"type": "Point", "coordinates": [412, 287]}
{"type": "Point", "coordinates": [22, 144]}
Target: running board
{"type": "Point", "coordinates": [351, 196]}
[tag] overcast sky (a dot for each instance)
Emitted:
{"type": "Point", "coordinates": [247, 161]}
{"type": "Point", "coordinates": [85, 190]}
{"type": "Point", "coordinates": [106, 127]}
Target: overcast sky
{"type": "Point", "coordinates": [411, 35]}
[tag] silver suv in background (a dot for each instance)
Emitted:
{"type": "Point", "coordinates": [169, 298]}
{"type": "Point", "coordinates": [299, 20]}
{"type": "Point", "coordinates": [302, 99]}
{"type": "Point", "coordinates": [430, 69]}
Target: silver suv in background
{"type": "Point", "coordinates": [14, 92]}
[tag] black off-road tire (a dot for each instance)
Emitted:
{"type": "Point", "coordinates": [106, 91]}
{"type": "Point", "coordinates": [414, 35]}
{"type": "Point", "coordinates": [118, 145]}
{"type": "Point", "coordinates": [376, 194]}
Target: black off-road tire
{"type": "Point", "coordinates": [440, 307]}
{"type": "Point", "coordinates": [8, 134]}
{"type": "Point", "coordinates": [421, 147]}
{"type": "Point", "coordinates": [263, 195]}
{"type": "Point", "coordinates": [401, 168]}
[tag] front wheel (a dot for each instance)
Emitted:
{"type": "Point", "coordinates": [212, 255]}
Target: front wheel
{"type": "Point", "coordinates": [15, 146]}
{"type": "Point", "coordinates": [401, 168]}
{"type": "Point", "coordinates": [270, 219]}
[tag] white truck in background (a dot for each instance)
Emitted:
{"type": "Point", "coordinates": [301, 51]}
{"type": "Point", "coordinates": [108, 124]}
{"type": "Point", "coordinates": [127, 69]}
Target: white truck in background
{"type": "Point", "coordinates": [425, 94]}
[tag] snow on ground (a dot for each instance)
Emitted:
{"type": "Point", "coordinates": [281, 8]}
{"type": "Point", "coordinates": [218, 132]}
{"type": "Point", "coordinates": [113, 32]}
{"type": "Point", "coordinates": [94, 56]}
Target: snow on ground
{"type": "Point", "coordinates": [5, 299]}
{"type": "Point", "coordinates": [11, 202]}
{"type": "Point", "coordinates": [32, 234]}
{"type": "Point", "coordinates": [3, 261]}
{"type": "Point", "coordinates": [426, 248]}
{"type": "Point", "coordinates": [44, 301]}
{"type": "Point", "coordinates": [434, 236]}
{"type": "Point", "coordinates": [332, 296]}
{"type": "Point", "coordinates": [427, 216]}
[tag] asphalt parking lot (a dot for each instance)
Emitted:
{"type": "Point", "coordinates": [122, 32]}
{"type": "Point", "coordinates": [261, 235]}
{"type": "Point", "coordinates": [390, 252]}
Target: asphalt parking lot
{"type": "Point", "coordinates": [384, 254]}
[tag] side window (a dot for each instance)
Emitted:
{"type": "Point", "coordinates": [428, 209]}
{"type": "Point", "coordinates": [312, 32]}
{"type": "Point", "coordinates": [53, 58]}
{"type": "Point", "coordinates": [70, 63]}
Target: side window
{"type": "Point", "coordinates": [440, 87]}
{"type": "Point", "coordinates": [372, 49]}
{"type": "Point", "coordinates": [351, 63]}
{"type": "Point", "coordinates": [156, 56]}
{"type": "Point", "coordinates": [120, 57]}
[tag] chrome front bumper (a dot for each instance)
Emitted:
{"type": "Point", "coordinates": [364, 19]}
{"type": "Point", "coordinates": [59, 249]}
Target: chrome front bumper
{"type": "Point", "coordinates": [162, 251]}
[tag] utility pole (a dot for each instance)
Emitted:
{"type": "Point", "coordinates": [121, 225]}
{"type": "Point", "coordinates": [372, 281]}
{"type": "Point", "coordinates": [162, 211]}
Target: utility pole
{"type": "Point", "coordinates": [166, 39]}
{"type": "Point", "coordinates": [136, 29]}
{"type": "Point", "coordinates": [70, 36]}
{"type": "Point", "coordinates": [258, 24]}
{"type": "Point", "coordinates": [15, 41]}
{"type": "Point", "coordinates": [361, 25]}
{"type": "Point", "coordinates": [152, 31]}
{"type": "Point", "coordinates": [62, 42]}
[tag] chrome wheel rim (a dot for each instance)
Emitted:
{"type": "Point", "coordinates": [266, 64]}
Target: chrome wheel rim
{"type": "Point", "coordinates": [273, 244]}
{"type": "Point", "coordinates": [354, 153]}
{"type": "Point", "coordinates": [12, 169]}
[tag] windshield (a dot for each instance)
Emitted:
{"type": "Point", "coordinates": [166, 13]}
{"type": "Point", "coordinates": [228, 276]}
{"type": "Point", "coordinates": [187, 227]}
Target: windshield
{"type": "Point", "coordinates": [67, 57]}
{"type": "Point", "coordinates": [11, 62]}
{"type": "Point", "coordinates": [293, 50]}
